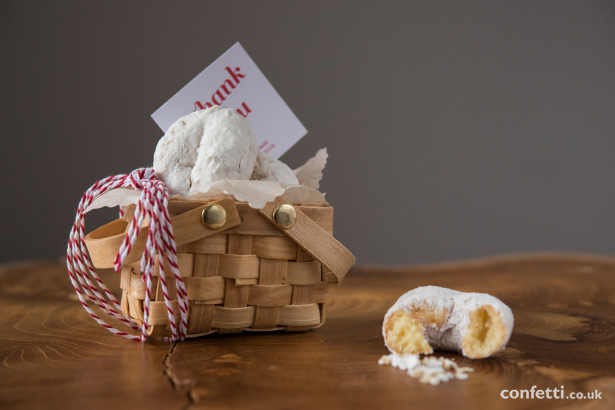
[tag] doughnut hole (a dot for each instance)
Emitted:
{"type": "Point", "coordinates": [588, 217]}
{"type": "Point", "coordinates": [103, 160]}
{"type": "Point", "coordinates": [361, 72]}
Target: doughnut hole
{"type": "Point", "coordinates": [404, 334]}
{"type": "Point", "coordinates": [485, 333]}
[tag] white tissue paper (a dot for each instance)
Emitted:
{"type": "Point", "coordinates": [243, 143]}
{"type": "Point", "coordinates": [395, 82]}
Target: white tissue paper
{"type": "Point", "coordinates": [256, 193]}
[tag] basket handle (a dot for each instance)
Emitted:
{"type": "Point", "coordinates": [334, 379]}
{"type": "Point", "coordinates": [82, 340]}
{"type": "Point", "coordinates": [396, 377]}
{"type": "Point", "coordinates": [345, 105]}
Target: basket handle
{"type": "Point", "coordinates": [321, 245]}
{"type": "Point", "coordinates": [104, 242]}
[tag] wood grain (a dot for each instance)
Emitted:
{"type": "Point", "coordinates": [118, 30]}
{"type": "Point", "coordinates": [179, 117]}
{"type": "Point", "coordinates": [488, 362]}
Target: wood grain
{"type": "Point", "coordinates": [54, 355]}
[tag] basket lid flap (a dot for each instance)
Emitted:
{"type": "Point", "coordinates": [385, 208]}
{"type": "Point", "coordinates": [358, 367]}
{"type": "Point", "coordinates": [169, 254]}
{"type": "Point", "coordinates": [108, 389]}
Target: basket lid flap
{"type": "Point", "coordinates": [321, 245]}
{"type": "Point", "coordinates": [187, 227]}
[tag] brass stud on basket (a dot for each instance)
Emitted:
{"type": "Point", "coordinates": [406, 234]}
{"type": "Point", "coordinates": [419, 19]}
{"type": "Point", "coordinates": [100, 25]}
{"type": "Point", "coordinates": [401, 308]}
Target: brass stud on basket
{"type": "Point", "coordinates": [285, 216]}
{"type": "Point", "coordinates": [214, 216]}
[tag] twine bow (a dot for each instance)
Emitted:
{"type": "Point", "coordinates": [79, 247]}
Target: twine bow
{"type": "Point", "coordinates": [153, 204]}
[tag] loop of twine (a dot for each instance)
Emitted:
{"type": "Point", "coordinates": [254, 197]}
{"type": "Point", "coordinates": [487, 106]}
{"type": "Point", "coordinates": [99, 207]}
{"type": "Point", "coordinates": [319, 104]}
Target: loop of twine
{"type": "Point", "coordinates": [153, 204]}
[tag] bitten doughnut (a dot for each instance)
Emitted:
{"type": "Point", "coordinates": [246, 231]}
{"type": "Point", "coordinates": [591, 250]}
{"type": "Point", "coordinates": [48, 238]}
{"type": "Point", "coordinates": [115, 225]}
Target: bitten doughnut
{"type": "Point", "coordinates": [268, 168]}
{"type": "Point", "coordinates": [203, 147]}
{"type": "Point", "coordinates": [430, 317]}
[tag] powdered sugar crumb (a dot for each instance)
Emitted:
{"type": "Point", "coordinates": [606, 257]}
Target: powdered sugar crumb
{"type": "Point", "coordinates": [430, 370]}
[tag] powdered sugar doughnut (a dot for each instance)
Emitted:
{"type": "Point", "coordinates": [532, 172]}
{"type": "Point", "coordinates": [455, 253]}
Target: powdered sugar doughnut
{"type": "Point", "coordinates": [430, 317]}
{"type": "Point", "coordinates": [203, 147]}
{"type": "Point", "coordinates": [268, 168]}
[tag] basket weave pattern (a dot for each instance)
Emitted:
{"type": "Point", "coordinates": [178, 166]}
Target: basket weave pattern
{"type": "Point", "coordinates": [251, 277]}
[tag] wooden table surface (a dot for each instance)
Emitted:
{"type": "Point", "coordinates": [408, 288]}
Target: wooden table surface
{"type": "Point", "coordinates": [55, 356]}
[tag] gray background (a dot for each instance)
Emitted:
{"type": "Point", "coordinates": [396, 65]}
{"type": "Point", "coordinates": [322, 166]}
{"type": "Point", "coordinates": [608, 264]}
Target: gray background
{"type": "Point", "coordinates": [455, 129]}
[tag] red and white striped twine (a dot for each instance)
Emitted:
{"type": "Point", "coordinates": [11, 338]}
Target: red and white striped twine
{"type": "Point", "coordinates": [152, 203]}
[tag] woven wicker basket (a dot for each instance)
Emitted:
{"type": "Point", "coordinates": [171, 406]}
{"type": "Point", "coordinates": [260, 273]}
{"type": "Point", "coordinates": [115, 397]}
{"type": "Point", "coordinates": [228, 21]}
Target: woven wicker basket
{"type": "Point", "coordinates": [248, 274]}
